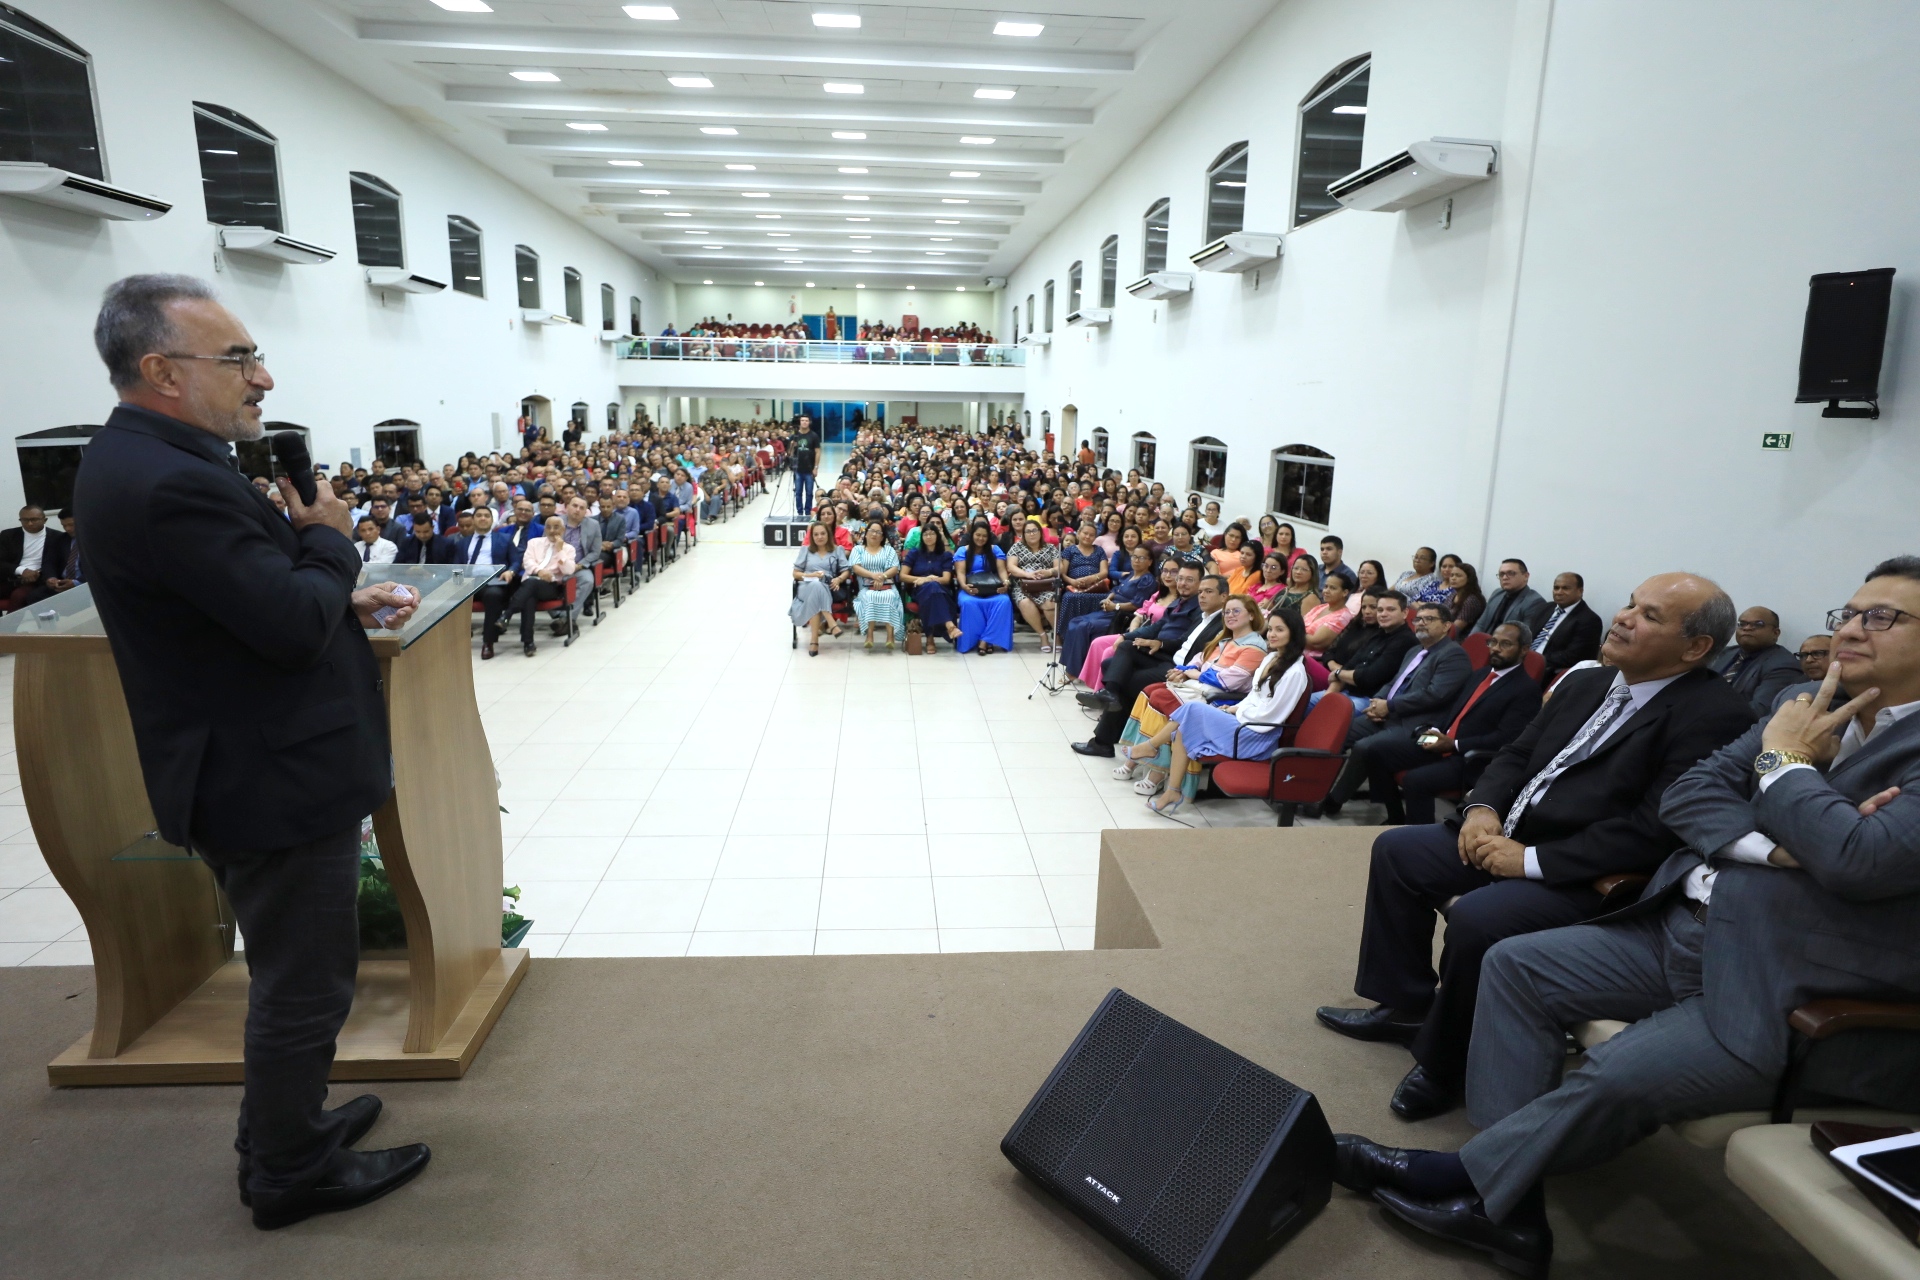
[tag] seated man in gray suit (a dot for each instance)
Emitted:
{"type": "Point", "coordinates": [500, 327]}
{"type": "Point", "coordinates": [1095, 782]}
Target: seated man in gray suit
{"type": "Point", "coordinates": [1431, 676]}
{"type": "Point", "coordinates": [1801, 882]}
{"type": "Point", "coordinates": [1515, 601]}
{"type": "Point", "coordinates": [1758, 666]}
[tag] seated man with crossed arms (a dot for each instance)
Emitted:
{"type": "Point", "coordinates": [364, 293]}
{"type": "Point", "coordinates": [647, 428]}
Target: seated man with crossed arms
{"type": "Point", "coordinates": [1800, 881]}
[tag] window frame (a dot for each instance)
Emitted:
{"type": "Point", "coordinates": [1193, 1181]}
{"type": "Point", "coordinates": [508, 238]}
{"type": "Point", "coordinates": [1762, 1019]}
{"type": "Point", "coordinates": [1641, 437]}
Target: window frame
{"type": "Point", "coordinates": [609, 300]}
{"type": "Point", "coordinates": [1109, 270]}
{"type": "Point", "coordinates": [1300, 455]}
{"type": "Point", "coordinates": [1046, 294]}
{"type": "Point", "coordinates": [454, 270]}
{"type": "Point", "coordinates": [228, 118]}
{"type": "Point", "coordinates": [521, 254]}
{"type": "Point", "coordinates": [1240, 155]}
{"type": "Point", "coordinates": [1144, 463]}
{"type": "Point", "coordinates": [1326, 87]}
{"type": "Point", "coordinates": [1101, 442]}
{"type": "Point", "coordinates": [32, 29]}
{"type": "Point", "coordinates": [1206, 445]}
{"type": "Point", "coordinates": [1149, 241]}
{"type": "Point", "coordinates": [636, 326]}
{"type": "Point", "coordinates": [377, 186]}
{"type": "Point", "coordinates": [1076, 278]}
{"type": "Point", "coordinates": [1030, 328]}
{"type": "Point", "coordinates": [573, 294]}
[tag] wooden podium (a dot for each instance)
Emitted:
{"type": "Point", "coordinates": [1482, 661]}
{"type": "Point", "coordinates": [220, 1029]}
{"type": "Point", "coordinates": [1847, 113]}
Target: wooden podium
{"type": "Point", "coordinates": [171, 996]}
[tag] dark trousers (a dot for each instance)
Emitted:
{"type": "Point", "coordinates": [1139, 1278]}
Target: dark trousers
{"type": "Point", "coordinates": [297, 912]}
{"type": "Point", "coordinates": [533, 591]}
{"type": "Point", "coordinates": [1416, 871]}
{"type": "Point", "coordinates": [493, 602]}
{"type": "Point", "coordinates": [1126, 672]}
{"type": "Point", "coordinates": [26, 593]}
{"type": "Point", "coordinates": [1393, 751]}
{"type": "Point", "coordinates": [802, 493]}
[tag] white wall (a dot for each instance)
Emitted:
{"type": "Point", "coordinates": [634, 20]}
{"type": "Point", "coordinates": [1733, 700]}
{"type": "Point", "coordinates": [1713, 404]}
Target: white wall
{"type": "Point", "coordinates": [343, 356]}
{"type": "Point", "coordinates": [936, 308]}
{"type": "Point", "coordinates": [1579, 369]}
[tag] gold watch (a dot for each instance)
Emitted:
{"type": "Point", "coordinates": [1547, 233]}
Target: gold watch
{"type": "Point", "coordinates": [1768, 761]}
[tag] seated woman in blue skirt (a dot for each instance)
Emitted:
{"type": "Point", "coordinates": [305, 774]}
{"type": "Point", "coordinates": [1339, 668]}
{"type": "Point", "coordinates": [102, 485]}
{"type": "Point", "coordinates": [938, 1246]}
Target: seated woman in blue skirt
{"type": "Point", "coordinates": [986, 614]}
{"type": "Point", "coordinates": [929, 576]}
{"type": "Point", "coordinates": [1111, 613]}
{"type": "Point", "coordinates": [1251, 729]}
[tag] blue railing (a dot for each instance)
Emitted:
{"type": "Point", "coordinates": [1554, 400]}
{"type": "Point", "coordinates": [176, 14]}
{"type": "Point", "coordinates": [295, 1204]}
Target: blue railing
{"type": "Point", "coordinates": [791, 351]}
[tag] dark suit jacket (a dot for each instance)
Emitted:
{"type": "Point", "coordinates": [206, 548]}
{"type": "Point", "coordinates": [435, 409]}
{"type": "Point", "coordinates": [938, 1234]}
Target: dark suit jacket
{"type": "Point", "coordinates": [53, 557]}
{"type": "Point", "coordinates": [256, 700]}
{"type": "Point", "coordinates": [1762, 676]}
{"type": "Point", "coordinates": [438, 550]}
{"type": "Point", "coordinates": [1843, 924]}
{"type": "Point", "coordinates": [1524, 605]}
{"type": "Point", "coordinates": [1603, 815]}
{"type": "Point", "coordinates": [1432, 685]}
{"type": "Point", "coordinates": [1576, 639]}
{"type": "Point", "coordinates": [1377, 662]}
{"type": "Point", "coordinates": [1498, 718]}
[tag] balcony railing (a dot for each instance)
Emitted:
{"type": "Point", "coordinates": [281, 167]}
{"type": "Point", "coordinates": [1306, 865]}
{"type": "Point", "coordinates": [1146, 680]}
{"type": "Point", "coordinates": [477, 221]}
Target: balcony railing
{"type": "Point", "coordinates": [792, 351]}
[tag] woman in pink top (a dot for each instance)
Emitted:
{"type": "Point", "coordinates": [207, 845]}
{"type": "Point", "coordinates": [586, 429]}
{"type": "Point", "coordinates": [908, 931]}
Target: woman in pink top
{"type": "Point", "coordinates": [1326, 620]}
{"type": "Point", "coordinates": [545, 569]}
{"type": "Point", "coordinates": [1148, 612]}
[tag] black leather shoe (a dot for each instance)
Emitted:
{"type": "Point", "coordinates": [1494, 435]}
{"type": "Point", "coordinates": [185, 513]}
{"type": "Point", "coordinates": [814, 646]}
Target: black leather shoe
{"type": "Point", "coordinates": [529, 648]}
{"type": "Point", "coordinates": [357, 1116]}
{"type": "Point", "coordinates": [1523, 1244]}
{"type": "Point", "coordinates": [1422, 1097]}
{"type": "Point", "coordinates": [1092, 748]}
{"type": "Point", "coordinates": [1377, 1023]}
{"type": "Point", "coordinates": [1098, 699]}
{"type": "Point", "coordinates": [486, 651]}
{"type": "Point", "coordinates": [352, 1178]}
{"type": "Point", "coordinates": [1361, 1165]}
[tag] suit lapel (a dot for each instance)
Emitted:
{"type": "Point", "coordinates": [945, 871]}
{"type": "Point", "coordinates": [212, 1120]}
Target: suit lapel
{"type": "Point", "coordinates": [1639, 721]}
{"type": "Point", "coordinates": [1900, 734]}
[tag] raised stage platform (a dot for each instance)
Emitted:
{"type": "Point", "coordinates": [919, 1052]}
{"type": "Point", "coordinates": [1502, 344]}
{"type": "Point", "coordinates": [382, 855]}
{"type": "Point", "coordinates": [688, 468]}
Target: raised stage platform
{"type": "Point", "coordinates": [813, 1116]}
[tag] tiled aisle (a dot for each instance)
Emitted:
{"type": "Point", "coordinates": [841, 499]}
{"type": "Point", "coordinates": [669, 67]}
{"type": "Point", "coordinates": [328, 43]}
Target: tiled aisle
{"type": "Point", "coordinates": [681, 781]}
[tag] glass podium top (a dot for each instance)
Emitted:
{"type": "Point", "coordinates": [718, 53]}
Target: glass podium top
{"type": "Point", "coordinates": [443, 588]}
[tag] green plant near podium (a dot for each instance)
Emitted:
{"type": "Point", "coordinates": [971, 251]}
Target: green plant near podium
{"type": "Point", "coordinates": [381, 925]}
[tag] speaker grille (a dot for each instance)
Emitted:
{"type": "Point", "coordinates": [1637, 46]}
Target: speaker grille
{"type": "Point", "coordinates": [1056, 1125]}
{"type": "Point", "coordinates": [1210, 1174]}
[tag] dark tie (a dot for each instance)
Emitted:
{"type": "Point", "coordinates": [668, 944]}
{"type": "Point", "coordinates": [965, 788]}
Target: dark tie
{"type": "Point", "coordinates": [366, 553]}
{"type": "Point", "coordinates": [473, 549]}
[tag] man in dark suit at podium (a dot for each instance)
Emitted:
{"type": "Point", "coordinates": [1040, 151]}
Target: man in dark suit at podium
{"type": "Point", "coordinates": [256, 708]}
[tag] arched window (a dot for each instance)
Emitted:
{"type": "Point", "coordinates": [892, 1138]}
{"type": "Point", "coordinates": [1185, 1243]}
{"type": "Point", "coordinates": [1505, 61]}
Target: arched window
{"type": "Point", "coordinates": [577, 414]}
{"type": "Point", "coordinates": [1016, 324]}
{"type": "Point", "coordinates": [526, 270]}
{"type": "Point", "coordinates": [47, 112]}
{"type": "Point", "coordinates": [1227, 192]}
{"type": "Point", "coordinates": [1047, 313]}
{"type": "Point", "coordinates": [1143, 452]}
{"type": "Point", "coordinates": [239, 169]}
{"type": "Point", "coordinates": [613, 418]}
{"type": "Point", "coordinates": [1046, 426]}
{"type": "Point", "coordinates": [1303, 483]}
{"type": "Point", "coordinates": [1333, 121]}
{"type": "Point", "coordinates": [1074, 274]}
{"type": "Point", "coordinates": [607, 304]}
{"type": "Point", "coordinates": [634, 327]}
{"type": "Point", "coordinates": [1100, 446]}
{"type": "Point", "coordinates": [1109, 270]}
{"type": "Point", "coordinates": [376, 221]}
{"type": "Point", "coordinates": [1153, 255]}
{"type": "Point", "coordinates": [396, 442]}
{"type": "Point", "coordinates": [1207, 467]}
{"type": "Point", "coordinates": [576, 305]}
{"type": "Point", "coordinates": [1029, 313]}
{"type": "Point", "coordinates": [463, 248]}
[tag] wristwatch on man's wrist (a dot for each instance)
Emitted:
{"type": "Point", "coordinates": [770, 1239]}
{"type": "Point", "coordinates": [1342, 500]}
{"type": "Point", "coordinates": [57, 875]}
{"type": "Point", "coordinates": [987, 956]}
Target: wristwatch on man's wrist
{"type": "Point", "coordinates": [1768, 761]}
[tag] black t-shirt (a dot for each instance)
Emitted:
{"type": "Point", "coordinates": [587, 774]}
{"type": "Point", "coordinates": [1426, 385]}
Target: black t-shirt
{"type": "Point", "coordinates": [805, 447]}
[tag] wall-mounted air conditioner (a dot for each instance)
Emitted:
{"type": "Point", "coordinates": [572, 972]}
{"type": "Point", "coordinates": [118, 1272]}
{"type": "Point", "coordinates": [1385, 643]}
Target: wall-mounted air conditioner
{"type": "Point", "coordinates": [1162, 284]}
{"type": "Point", "coordinates": [1091, 316]}
{"type": "Point", "coordinates": [995, 282]}
{"type": "Point", "coordinates": [403, 280]}
{"type": "Point", "coordinates": [1424, 171]}
{"type": "Point", "coordinates": [31, 180]}
{"type": "Point", "coordinates": [263, 243]}
{"type": "Point", "coordinates": [611, 336]}
{"type": "Point", "coordinates": [534, 315]}
{"type": "Point", "coordinates": [1241, 251]}
{"type": "Point", "coordinates": [1036, 340]}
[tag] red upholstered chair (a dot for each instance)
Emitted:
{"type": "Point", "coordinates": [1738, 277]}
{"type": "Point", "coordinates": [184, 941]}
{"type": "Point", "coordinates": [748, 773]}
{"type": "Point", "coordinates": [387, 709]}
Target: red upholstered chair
{"type": "Point", "coordinates": [1476, 647]}
{"type": "Point", "coordinates": [565, 604]}
{"type": "Point", "coordinates": [1534, 665]}
{"type": "Point", "coordinates": [1300, 774]}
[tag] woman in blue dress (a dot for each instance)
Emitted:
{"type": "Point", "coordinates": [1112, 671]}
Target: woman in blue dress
{"type": "Point", "coordinates": [1113, 612]}
{"type": "Point", "coordinates": [986, 614]}
{"type": "Point", "coordinates": [929, 575]}
{"type": "Point", "coordinates": [876, 603]}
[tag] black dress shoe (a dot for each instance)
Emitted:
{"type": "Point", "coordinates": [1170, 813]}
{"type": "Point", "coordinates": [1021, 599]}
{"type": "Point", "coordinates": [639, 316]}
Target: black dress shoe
{"type": "Point", "coordinates": [1523, 1244]}
{"type": "Point", "coordinates": [1361, 1165]}
{"type": "Point", "coordinates": [356, 1116]}
{"type": "Point", "coordinates": [486, 651]}
{"type": "Point", "coordinates": [1098, 699]}
{"type": "Point", "coordinates": [1377, 1023]}
{"type": "Point", "coordinates": [1092, 748]}
{"type": "Point", "coordinates": [351, 1179]}
{"type": "Point", "coordinates": [529, 648]}
{"type": "Point", "coordinates": [1422, 1097]}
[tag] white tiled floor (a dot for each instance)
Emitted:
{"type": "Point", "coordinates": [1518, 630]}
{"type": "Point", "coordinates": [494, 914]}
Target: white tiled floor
{"type": "Point", "coordinates": [681, 781]}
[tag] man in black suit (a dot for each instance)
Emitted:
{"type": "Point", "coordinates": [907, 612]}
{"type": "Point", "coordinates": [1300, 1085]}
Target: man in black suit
{"type": "Point", "coordinates": [29, 555]}
{"type": "Point", "coordinates": [1378, 659]}
{"type": "Point", "coordinates": [257, 711]}
{"type": "Point", "coordinates": [1571, 632]}
{"type": "Point", "coordinates": [1574, 798]}
{"type": "Point", "coordinates": [1448, 751]}
{"type": "Point", "coordinates": [424, 546]}
{"type": "Point", "coordinates": [1144, 657]}
{"type": "Point", "coordinates": [1758, 666]}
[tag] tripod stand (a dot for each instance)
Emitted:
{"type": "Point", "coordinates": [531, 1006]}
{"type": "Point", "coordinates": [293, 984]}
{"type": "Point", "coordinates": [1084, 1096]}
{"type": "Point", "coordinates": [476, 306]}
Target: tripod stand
{"type": "Point", "coordinates": [1055, 677]}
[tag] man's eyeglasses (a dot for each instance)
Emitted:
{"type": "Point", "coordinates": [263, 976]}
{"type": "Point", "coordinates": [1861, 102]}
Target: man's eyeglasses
{"type": "Point", "coordinates": [248, 362]}
{"type": "Point", "coordinates": [1808, 655]}
{"type": "Point", "coordinates": [1878, 619]}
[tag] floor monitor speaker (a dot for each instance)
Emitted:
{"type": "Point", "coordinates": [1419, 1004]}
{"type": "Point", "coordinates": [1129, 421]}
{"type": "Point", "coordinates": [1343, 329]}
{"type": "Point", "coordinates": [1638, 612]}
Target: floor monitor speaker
{"type": "Point", "coordinates": [1192, 1159]}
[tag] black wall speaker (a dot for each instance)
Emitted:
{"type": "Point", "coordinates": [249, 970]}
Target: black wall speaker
{"type": "Point", "coordinates": [1194, 1160]}
{"type": "Point", "coordinates": [1845, 335]}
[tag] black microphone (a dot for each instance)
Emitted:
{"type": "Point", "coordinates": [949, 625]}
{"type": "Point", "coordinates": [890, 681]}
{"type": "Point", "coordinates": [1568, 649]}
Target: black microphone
{"type": "Point", "coordinates": [290, 451]}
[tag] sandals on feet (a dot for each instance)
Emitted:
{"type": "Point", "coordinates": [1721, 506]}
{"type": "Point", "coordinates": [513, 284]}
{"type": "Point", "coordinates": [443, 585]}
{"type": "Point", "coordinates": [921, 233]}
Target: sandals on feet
{"type": "Point", "coordinates": [1168, 809]}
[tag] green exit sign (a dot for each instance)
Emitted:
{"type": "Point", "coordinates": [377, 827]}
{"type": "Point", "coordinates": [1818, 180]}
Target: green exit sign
{"type": "Point", "coordinates": [1777, 440]}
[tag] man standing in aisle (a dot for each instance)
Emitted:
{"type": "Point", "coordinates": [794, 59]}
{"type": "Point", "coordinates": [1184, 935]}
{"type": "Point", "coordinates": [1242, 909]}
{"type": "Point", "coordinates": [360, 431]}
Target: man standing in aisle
{"type": "Point", "coordinates": [805, 452]}
{"type": "Point", "coordinates": [256, 708]}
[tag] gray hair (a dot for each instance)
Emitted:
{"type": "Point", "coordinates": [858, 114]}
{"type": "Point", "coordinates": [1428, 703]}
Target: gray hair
{"type": "Point", "coordinates": [133, 321]}
{"type": "Point", "coordinates": [1714, 619]}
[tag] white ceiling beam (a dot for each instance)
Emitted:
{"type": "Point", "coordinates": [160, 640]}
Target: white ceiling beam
{"type": "Point", "coordinates": [836, 109]}
{"type": "Point", "coordinates": [790, 152]}
{"type": "Point", "coordinates": [833, 185]}
{"type": "Point", "coordinates": [790, 204]}
{"type": "Point", "coordinates": [672, 228]}
{"type": "Point", "coordinates": [1003, 61]}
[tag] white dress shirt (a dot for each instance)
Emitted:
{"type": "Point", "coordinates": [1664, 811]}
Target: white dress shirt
{"type": "Point", "coordinates": [379, 551]}
{"type": "Point", "coordinates": [484, 554]}
{"type": "Point", "coordinates": [33, 548]}
{"type": "Point", "coordinates": [1180, 656]}
{"type": "Point", "coordinates": [1756, 847]}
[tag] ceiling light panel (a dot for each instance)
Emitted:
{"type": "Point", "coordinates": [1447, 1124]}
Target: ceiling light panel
{"type": "Point", "coordinates": [719, 131]}
{"type": "Point", "coordinates": [847, 135]}
{"type": "Point", "coordinates": [627, 164]}
{"type": "Point", "coordinates": [996, 95]}
{"type": "Point", "coordinates": [586, 126]}
{"type": "Point", "coordinates": [690, 82]}
{"type": "Point", "coordinates": [847, 21]}
{"type": "Point", "coordinates": [535, 77]}
{"type": "Point", "coordinates": [464, 6]}
{"type": "Point", "coordinates": [842, 86]}
{"type": "Point", "coordinates": [650, 12]}
{"type": "Point", "coordinates": [1025, 29]}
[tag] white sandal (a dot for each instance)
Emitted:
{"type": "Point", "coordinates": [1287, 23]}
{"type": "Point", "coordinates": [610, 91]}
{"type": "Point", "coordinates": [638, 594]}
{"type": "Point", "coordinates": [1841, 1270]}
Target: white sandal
{"type": "Point", "coordinates": [1124, 771]}
{"type": "Point", "coordinates": [1149, 786]}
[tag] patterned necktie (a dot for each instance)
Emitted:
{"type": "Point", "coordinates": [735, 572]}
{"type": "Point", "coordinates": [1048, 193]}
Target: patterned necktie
{"type": "Point", "coordinates": [1540, 641]}
{"type": "Point", "coordinates": [1617, 699]}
